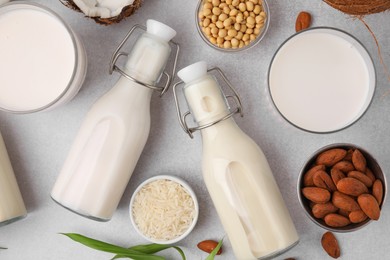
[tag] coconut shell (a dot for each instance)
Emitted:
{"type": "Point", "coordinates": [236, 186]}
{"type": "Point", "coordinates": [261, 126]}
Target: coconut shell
{"type": "Point", "coordinates": [126, 12]}
{"type": "Point", "coordinates": [360, 7]}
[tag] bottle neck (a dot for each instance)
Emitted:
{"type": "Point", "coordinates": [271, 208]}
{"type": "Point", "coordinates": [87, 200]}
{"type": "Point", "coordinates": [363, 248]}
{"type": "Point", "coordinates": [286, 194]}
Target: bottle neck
{"type": "Point", "coordinates": [132, 89]}
{"type": "Point", "coordinates": [223, 129]}
{"type": "Point", "coordinates": [148, 59]}
{"type": "Point", "coordinates": [206, 101]}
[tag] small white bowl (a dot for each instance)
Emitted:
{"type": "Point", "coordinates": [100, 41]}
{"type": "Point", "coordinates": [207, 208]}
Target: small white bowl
{"type": "Point", "coordinates": [186, 187]}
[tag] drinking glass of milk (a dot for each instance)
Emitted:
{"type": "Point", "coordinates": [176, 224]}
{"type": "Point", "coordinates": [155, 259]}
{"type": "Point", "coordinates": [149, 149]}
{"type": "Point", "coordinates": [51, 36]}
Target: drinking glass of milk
{"type": "Point", "coordinates": [322, 80]}
{"type": "Point", "coordinates": [43, 62]}
{"type": "Point", "coordinates": [11, 202]}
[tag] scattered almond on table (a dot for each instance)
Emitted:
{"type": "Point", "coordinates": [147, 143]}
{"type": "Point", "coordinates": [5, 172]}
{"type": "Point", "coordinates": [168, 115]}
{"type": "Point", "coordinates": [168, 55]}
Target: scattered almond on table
{"type": "Point", "coordinates": [330, 244]}
{"type": "Point", "coordinates": [208, 246]}
{"type": "Point", "coordinates": [303, 21]}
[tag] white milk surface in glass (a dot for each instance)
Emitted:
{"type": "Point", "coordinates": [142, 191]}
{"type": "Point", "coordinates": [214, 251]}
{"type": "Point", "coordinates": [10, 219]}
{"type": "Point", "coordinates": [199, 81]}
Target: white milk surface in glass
{"type": "Point", "coordinates": [320, 82]}
{"type": "Point", "coordinates": [37, 59]}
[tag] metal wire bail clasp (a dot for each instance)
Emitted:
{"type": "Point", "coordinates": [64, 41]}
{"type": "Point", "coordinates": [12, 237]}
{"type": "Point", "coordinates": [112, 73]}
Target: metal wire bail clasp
{"type": "Point", "coordinates": [118, 53]}
{"type": "Point", "coordinates": [182, 117]}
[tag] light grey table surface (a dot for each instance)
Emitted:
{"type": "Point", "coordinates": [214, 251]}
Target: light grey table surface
{"type": "Point", "coordinates": [38, 143]}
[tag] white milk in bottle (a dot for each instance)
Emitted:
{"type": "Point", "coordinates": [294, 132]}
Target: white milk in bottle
{"type": "Point", "coordinates": [11, 202]}
{"type": "Point", "coordinates": [237, 174]}
{"type": "Point", "coordinates": [114, 132]}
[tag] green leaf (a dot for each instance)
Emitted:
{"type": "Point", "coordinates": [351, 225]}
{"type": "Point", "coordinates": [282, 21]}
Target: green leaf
{"type": "Point", "coordinates": [215, 251]}
{"type": "Point", "coordinates": [155, 248]}
{"type": "Point", "coordinates": [183, 256]}
{"type": "Point", "coordinates": [110, 248]}
{"type": "Point", "coordinates": [152, 249]}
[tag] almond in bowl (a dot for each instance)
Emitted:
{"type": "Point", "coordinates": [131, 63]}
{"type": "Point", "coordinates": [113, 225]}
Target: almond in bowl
{"type": "Point", "coordinates": [342, 188]}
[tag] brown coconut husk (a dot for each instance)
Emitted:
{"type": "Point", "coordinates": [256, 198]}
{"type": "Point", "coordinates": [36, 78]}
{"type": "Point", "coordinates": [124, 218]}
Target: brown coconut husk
{"type": "Point", "coordinates": [359, 7]}
{"type": "Point", "coordinates": [126, 12]}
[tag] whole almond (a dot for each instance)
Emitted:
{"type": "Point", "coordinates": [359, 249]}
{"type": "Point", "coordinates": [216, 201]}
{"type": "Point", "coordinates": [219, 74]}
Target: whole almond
{"type": "Point", "coordinates": [303, 21]}
{"type": "Point", "coordinates": [359, 161]}
{"type": "Point", "coordinates": [377, 191]}
{"type": "Point", "coordinates": [357, 216]}
{"type": "Point", "coordinates": [208, 246]}
{"type": "Point", "coordinates": [336, 175]}
{"type": "Point", "coordinates": [336, 220]}
{"type": "Point", "coordinates": [330, 244]}
{"type": "Point", "coordinates": [370, 206]}
{"type": "Point", "coordinates": [344, 202]}
{"type": "Point", "coordinates": [361, 177]}
{"type": "Point", "coordinates": [315, 194]}
{"type": "Point", "coordinates": [351, 186]}
{"type": "Point", "coordinates": [344, 166]}
{"type": "Point", "coordinates": [344, 213]}
{"type": "Point", "coordinates": [308, 178]}
{"type": "Point", "coordinates": [321, 210]}
{"type": "Point", "coordinates": [322, 179]}
{"type": "Point", "coordinates": [370, 174]}
{"type": "Point", "coordinates": [348, 156]}
{"type": "Point", "coordinates": [331, 157]}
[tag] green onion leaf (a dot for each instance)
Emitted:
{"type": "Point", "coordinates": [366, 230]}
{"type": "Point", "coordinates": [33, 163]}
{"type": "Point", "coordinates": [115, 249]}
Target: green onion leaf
{"type": "Point", "coordinates": [215, 251]}
{"type": "Point", "coordinates": [155, 248]}
{"type": "Point", "coordinates": [106, 247]}
{"type": "Point", "coordinates": [140, 252]}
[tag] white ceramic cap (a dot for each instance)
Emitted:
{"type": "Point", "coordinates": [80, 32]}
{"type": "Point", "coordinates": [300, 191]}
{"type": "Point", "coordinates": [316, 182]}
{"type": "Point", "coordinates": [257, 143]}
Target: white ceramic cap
{"type": "Point", "coordinates": [160, 30]}
{"type": "Point", "coordinates": [193, 72]}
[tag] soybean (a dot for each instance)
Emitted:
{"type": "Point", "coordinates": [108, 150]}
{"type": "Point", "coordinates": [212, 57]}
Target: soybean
{"type": "Point", "coordinates": [231, 23]}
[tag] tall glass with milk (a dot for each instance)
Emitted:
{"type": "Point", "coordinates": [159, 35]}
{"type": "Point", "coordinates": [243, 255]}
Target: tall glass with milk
{"type": "Point", "coordinates": [114, 132]}
{"type": "Point", "coordinates": [11, 202]}
{"type": "Point", "coordinates": [236, 172]}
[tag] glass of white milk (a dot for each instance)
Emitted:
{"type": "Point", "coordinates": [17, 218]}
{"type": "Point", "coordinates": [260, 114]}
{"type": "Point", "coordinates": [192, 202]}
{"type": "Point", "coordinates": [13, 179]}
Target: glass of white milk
{"type": "Point", "coordinates": [43, 62]}
{"type": "Point", "coordinates": [321, 80]}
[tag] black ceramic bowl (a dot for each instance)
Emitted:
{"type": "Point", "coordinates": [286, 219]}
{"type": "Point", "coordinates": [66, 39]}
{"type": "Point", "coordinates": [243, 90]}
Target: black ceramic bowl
{"type": "Point", "coordinates": [372, 164]}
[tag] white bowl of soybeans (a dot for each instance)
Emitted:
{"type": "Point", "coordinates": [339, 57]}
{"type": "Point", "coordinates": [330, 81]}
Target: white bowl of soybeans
{"type": "Point", "coordinates": [232, 25]}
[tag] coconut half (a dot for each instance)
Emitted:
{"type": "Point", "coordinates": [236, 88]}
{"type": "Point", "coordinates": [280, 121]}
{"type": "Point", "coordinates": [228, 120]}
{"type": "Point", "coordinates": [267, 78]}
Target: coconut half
{"type": "Point", "coordinates": [104, 11]}
{"type": "Point", "coordinates": [360, 7]}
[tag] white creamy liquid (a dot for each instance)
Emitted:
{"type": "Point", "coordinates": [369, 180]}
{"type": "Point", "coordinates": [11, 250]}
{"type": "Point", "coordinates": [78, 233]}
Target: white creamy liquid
{"type": "Point", "coordinates": [322, 80]}
{"type": "Point", "coordinates": [37, 58]}
{"type": "Point", "coordinates": [112, 136]}
{"type": "Point", "coordinates": [11, 202]}
{"type": "Point", "coordinates": [239, 180]}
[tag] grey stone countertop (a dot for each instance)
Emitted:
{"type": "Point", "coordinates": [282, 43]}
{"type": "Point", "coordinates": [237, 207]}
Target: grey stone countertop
{"type": "Point", "coordinates": [38, 143]}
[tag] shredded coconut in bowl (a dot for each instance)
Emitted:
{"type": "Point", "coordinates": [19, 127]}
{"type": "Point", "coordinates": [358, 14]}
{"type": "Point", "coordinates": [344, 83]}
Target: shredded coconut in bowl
{"type": "Point", "coordinates": [163, 210]}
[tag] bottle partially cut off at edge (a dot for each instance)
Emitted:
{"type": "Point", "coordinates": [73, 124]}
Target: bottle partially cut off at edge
{"type": "Point", "coordinates": [12, 207]}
